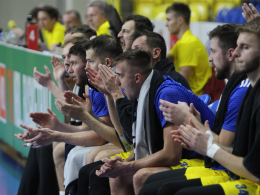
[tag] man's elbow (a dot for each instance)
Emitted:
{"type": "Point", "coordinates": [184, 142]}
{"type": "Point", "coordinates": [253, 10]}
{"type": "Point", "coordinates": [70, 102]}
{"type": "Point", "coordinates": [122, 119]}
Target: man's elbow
{"type": "Point", "coordinates": [172, 160]}
{"type": "Point", "coordinates": [100, 141]}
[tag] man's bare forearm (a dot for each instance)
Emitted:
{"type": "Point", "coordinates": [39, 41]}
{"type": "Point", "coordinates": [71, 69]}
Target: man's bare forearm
{"type": "Point", "coordinates": [56, 92]}
{"type": "Point", "coordinates": [105, 131]}
{"type": "Point", "coordinates": [86, 138]}
{"type": "Point", "coordinates": [113, 114]}
{"type": "Point", "coordinates": [63, 127]}
{"type": "Point", "coordinates": [234, 164]}
{"type": "Point", "coordinates": [63, 85]}
{"type": "Point", "coordinates": [116, 95]}
{"type": "Point", "coordinates": [170, 155]}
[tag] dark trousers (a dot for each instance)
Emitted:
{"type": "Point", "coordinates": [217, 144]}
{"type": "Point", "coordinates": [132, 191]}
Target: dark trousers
{"type": "Point", "coordinates": [89, 183]}
{"type": "Point", "coordinates": [39, 176]}
{"type": "Point", "coordinates": [175, 182]}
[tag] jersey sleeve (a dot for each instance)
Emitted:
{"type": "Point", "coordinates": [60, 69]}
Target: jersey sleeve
{"type": "Point", "coordinates": [99, 104]}
{"type": "Point", "coordinates": [234, 103]}
{"type": "Point", "coordinates": [170, 94]}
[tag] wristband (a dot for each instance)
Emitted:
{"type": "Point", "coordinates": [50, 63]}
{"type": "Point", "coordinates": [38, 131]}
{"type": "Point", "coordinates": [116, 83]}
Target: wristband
{"type": "Point", "coordinates": [211, 148]}
{"type": "Point", "coordinates": [31, 144]}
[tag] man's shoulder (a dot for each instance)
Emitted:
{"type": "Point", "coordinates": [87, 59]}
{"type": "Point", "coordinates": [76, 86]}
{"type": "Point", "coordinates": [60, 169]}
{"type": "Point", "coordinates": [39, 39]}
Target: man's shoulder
{"type": "Point", "coordinates": [169, 85]}
{"type": "Point", "coordinates": [192, 41]}
{"type": "Point", "coordinates": [240, 89]}
{"type": "Point", "coordinates": [59, 26]}
{"type": "Point", "coordinates": [104, 28]}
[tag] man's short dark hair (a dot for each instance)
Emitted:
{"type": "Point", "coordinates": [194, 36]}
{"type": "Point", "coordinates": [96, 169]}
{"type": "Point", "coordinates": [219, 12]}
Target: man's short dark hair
{"type": "Point", "coordinates": [75, 13]}
{"type": "Point", "coordinates": [78, 50]}
{"type": "Point", "coordinates": [227, 36]}
{"type": "Point", "coordinates": [138, 60]}
{"type": "Point", "coordinates": [34, 12]}
{"type": "Point", "coordinates": [104, 46]}
{"type": "Point", "coordinates": [85, 30]}
{"type": "Point", "coordinates": [69, 29]}
{"type": "Point", "coordinates": [154, 40]}
{"type": "Point", "coordinates": [180, 9]}
{"type": "Point", "coordinates": [75, 40]}
{"type": "Point", "coordinates": [51, 11]}
{"type": "Point", "coordinates": [141, 23]}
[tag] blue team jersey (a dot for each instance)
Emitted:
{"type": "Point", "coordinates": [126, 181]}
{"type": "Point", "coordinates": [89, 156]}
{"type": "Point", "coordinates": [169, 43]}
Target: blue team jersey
{"type": "Point", "coordinates": [99, 103]}
{"type": "Point", "coordinates": [173, 91]}
{"type": "Point", "coordinates": [234, 101]}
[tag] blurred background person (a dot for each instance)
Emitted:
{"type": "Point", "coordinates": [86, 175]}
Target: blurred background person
{"type": "Point", "coordinates": [71, 18]}
{"type": "Point", "coordinates": [53, 32]}
{"type": "Point", "coordinates": [96, 17]}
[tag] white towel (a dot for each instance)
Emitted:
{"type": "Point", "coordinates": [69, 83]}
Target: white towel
{"type": "Point", "coordinates": [75, 160]}
{"type": "Point", "coordinates": [141, 127]}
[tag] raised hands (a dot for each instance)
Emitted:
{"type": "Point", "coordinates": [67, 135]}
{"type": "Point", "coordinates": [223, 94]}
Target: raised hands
{"type": "Point", "coordinates": [76, 110]}
{"type": "Point", "coordinates": [195, 112]}
{"type": "Point", "coordinates": [69, 95]}
{"type": "Point", "coordinates": [180, 113]}
{"type": "Point", "coordinates": [191, 137]}
{"type": "Point", "coordinates": [58, 68]}
{"type": "Point", "coordinates": [250, 14]}
{"type": "Point", "coordinates": [46, 120]}
{"type": "Point", "coordinates": [43, 79]}
{"type": "Point", "coordinates": [30, 133]}
{"type": "Point", "coordinates": [96, 80]}
{"type": "Point", "coordinates": [109, 79]}
{"type": "Point", "coordinates": [41, 136]}
{"type": "Point", "coordinates": [176, 113]}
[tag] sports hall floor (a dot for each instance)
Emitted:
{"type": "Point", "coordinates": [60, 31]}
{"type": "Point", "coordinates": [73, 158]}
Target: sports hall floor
{"type": "Point", "coordinates": [11, 169]}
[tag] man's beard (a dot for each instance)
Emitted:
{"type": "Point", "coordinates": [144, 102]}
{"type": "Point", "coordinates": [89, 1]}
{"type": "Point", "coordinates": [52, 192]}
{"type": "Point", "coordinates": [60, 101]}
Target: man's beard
{"type": "Point", "coordinates": [248, 67]}
{"type": "Point", "coordinates": [222, 73]}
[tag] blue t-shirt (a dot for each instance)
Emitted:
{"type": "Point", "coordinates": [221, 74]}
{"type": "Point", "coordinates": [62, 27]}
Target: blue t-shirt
{"type": "Point", "coordinates": [99, 103]}
{"type": "Point", "coordinates": [234, 101]}
{"type": "Point", "coordinates": [173, 92]}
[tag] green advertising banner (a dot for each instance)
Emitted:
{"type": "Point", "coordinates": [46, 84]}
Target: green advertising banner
{"type": "Point", "coordinates": [20, 94]}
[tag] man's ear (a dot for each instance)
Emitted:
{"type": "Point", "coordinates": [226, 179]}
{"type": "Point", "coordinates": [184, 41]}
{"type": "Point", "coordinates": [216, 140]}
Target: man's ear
{"type": "Point", "coordinates": [180, 20]}
{"type": "Point", "coordinates": [156, 52]}
{"type": "Point", "coordinates": [138, 77]}
{"type": "Point", "coordinates": [230, 55]}
{"type": "Point", "coordinates": [108, 62]}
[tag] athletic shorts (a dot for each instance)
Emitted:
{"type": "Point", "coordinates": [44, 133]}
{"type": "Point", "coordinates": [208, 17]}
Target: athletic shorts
{"type": "Point", "coordinates": [185, 163]}
{"type": "Point", "coordinates": [240, 187]}
{"type": "Point", "coordinates": [230, 187]}
{"type": "Point", "coordinates": [199, 172]}
{"type": "Point", "coordinates": [124, 155]}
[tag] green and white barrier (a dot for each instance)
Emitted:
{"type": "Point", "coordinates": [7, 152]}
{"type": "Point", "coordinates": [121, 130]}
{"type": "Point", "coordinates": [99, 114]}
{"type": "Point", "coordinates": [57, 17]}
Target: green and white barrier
{"type": "Point", "coordinates": [20, 94]}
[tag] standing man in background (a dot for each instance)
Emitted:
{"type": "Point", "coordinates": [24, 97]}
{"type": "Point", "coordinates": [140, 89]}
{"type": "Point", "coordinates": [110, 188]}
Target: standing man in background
{"type": "Point", "coordinates": [53, 32]}
{"type": "Point", "coordinates": [189, 54]}
{"type": "Point", "coordinates": [96, 17]}
{"type": "Point", "coordinates": [71, 18]}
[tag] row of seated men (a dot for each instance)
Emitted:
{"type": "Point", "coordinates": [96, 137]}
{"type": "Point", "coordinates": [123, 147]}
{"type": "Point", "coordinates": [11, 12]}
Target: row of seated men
{"type": "Point", "coordinates": [161, 138]}
{"type": "Point", "coordinates": [194, 67]}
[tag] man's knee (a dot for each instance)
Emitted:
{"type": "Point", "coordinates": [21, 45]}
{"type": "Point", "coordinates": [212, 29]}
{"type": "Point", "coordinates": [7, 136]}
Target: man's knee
{"type": "Point", "coordinates": [102, 154]}
{"type": "Point", "coordinates": [141, 176]}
